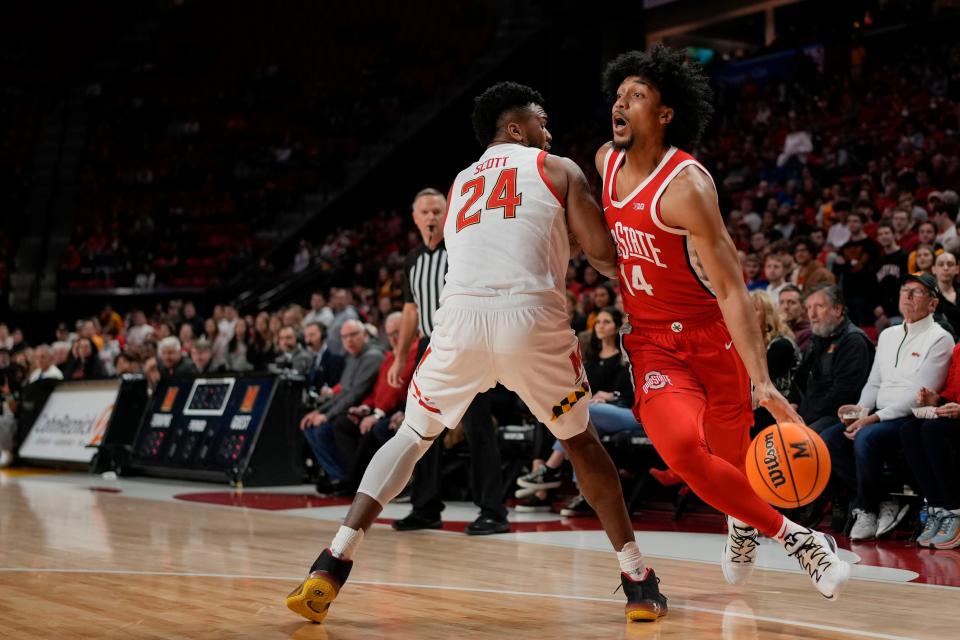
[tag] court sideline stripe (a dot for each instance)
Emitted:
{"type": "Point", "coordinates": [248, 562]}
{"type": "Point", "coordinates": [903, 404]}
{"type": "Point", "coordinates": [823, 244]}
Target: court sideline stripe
{"type": "Point", "coordinates": [409, 585]}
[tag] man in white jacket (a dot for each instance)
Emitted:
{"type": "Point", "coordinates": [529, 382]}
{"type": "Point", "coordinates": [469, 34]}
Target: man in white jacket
{"type": "Point", "coordinates": [910, 356]}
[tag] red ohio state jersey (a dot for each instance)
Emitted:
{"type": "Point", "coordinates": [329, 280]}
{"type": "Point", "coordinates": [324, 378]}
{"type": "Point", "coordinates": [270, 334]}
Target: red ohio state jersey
{"type": "Point", "coordinates": [661, 278]}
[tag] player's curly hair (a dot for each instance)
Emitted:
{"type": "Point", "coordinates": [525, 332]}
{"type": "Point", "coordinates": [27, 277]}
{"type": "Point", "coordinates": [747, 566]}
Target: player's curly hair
{"type": "Point", "coordinates": [494, 102]}
{"type": "Point", "coordinates": [682, 84]}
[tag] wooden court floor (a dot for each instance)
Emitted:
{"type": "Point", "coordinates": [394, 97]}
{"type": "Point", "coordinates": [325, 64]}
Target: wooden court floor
{"type": "Point", "coordinates": [110, 566]}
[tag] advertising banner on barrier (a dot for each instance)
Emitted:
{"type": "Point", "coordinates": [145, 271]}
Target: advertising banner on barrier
{"type": "Point", "coordinates": [74, 417]}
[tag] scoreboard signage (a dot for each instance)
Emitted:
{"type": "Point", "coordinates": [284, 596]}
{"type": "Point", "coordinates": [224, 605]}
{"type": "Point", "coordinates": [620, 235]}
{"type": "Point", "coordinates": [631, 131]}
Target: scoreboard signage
{"type": "Point", "coordinates": [72, 422]}
{"type": "Point", "coordinates": [208, 427]}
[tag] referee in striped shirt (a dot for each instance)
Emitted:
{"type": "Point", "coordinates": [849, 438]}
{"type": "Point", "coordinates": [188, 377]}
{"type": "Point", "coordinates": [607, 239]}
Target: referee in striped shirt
{"type": "Point", "coordinates": [426, 269]}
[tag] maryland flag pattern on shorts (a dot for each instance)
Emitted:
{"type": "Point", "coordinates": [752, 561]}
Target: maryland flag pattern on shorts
{"type": "Point", "coordinates": [567, 403]}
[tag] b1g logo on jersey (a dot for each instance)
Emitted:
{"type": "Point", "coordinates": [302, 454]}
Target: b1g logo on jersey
{"type": "Point", "coordinates": [654, 380]}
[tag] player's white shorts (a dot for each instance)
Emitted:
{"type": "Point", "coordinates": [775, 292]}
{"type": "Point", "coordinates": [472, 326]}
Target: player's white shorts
{"type": "Point", "coordinates": [477, 342]}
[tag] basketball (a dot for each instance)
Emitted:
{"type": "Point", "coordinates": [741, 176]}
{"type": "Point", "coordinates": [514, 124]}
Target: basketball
{"type": "Point", "coordinates": [788, 465]}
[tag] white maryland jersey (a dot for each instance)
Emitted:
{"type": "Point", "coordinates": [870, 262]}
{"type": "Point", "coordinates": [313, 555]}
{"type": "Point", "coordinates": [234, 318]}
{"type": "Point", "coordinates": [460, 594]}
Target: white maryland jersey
{"type": "Point", "coordinates": [506, 228]}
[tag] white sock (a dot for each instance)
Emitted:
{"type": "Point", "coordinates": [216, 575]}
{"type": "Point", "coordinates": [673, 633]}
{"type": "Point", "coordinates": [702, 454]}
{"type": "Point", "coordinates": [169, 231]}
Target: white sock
{"type": "Point", "coordinates": [954, 511]}
{"type": "Point", "coordinates": [631, 561]}
{"type": "Point", "coordinates": [346, 542]}
{"type": "Point", "coordinates": [740, 524]}
{"type": "Point", "coordinates": [789, 527]}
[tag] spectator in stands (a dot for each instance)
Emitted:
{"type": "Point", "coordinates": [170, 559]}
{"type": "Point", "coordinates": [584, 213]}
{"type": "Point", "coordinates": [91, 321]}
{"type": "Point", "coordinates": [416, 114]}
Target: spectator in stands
{"type": "Point", "coordinates": [945, 271]}
{"type": "Point", "coordinates": [945, 204]}
{"type": "Point", "coordinates": [837, 364]}
{"type": "Point", "coordinates": [910, 357]}
{"type": "Point", "coordinates": [364, 428]}
{"type": "Point", "coordinates": [139, 329]}
{"type": "Point", "coordinates": [191, 319]}
{"type": "Point", "coordinates": [927, 236]}
{"type": "Point", "coordinates": [235, 357]}
{"type": "Point", "coordinates": [326, 367]}
{"type": "Point", "coordinates": [61, 353]}
{"type": "Point", "coordinates": [90, 329]}
{"type": "Point", "coordinates": [6, 340]}
{"type": "Point", "coordinates": [45, 369]}
{"type": "Point", "coordinates": [292, 316]}
{"type": "Point", "coordinates": [856, 265]}
{"type": "Point", "coordinates": [751, 272]}
{"type": "Point", "coordinates": [925, 256]}
{"type": "Point", "coordinates": [603, 297]}
{"type": "Point", "coordinates": [171, 361]}
{"type": "Point", "coordinates": [261, 346]}
{"type": "Point", "coordinates": [810, 271]}
{"type": "Point", "coordinates": [795, 315]}
{"type": "Point", "coordinates": [163, 330]}
{"type": "Point", "coordinates": [774, 272]}
{"type": "Point", "coordinates": [931, 448]}
{"type": "Point", "coordinates": [210, 330]}
{"type": "Point", "coordinates": [201, 353]}
{"type": "Point", "coordinates": [84, 363]}
{"type": "Point", "coordinates": [341, 304]}
{"type": "Point", "coordinates": [906, 235]}
{"type": "Point", "coordinates": [359, 375]}
{"type": "Point", "coordinates": [111, 319]}
{"type": "Point", "coordinates": [186, 335]}
{"type": "Point", "coordinates": [292, 355]}
{"type": "Point", "coordinates": [783, 355]}
{"type": "Point", "coordinates": [891, 267]}
{"type": "Point", "coordinates": [126, 363]}
{"type": "Point", "coordinates": [839, 233]}
{"type": "Point", "coordinates": [319, 311]}
{"type": "Point", "coordinates": [62, 334]}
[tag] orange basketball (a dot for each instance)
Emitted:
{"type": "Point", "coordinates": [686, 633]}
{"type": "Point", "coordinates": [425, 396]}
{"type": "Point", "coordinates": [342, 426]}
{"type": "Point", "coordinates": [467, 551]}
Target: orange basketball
{"type": "Point", "coordinates": [788, 465]}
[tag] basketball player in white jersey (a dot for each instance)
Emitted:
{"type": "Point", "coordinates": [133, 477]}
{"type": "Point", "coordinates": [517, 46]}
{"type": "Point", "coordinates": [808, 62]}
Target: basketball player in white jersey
{"type": "Point", "coordinates": [502, 318]}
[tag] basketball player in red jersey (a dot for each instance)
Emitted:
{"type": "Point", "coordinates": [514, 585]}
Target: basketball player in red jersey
{"type": "Point", "coordinates": [694, 345]}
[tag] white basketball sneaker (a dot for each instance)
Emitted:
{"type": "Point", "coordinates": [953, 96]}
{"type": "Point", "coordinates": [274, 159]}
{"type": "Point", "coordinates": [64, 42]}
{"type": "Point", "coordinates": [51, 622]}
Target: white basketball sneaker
{"type": "Point", "coordinates": [739, 553]}
{"type": "Point", "coordinates": [817, 554]}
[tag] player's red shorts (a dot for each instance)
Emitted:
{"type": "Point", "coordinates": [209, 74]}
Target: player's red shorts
{"type": "Point", "coordinates": [695, 359]}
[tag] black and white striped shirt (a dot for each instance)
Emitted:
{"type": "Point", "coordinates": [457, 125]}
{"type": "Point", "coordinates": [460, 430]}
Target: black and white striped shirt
{"type": "Point", "coordinates": [425, 273]}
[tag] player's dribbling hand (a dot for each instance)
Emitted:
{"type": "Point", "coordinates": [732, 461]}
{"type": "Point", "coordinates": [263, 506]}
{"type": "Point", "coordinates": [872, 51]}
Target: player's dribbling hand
{"type": "Point", "coordinates": [774, 402]}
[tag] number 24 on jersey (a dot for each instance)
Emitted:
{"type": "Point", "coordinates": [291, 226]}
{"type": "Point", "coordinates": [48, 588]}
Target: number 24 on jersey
{"type": "Point", "coordinates": [503, 196]}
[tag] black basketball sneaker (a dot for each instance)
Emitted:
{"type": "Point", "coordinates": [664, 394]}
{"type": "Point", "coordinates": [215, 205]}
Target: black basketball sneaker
{"type": "Point", "coordinates": [644, 600]}
{"type": "Point", "coordinates": [313, 597]}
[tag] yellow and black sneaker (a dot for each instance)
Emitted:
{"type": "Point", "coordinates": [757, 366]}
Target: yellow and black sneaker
{"type": "Point", "coordinates": [313, 597]}
{"type": "Point", "coordinates": [645, 603]}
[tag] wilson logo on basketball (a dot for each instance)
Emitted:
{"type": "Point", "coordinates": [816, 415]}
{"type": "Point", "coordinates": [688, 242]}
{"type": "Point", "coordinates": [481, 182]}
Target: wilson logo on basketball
{"type": "Point", "coordinates": [774, 472]}
{"type": "Point", "coordinates": [654, 380]}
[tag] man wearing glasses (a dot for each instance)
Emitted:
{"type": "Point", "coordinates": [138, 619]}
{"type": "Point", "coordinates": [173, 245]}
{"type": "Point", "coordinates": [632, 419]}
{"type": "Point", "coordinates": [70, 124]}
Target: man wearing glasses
{"type": "Point", "coordinates": [910, 356]}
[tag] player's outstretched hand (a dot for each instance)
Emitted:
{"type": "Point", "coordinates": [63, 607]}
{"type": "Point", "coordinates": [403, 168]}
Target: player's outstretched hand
{"type": "Point", "coordinates": [774, 402]}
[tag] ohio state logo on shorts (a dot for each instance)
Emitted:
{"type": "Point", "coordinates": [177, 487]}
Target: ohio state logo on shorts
{"type": "Point", "coordinates": [654, 380]}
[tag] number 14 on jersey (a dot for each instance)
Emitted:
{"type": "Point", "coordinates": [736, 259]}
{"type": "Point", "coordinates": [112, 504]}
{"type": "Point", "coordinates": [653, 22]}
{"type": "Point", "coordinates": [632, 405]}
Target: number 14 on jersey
{"type": "Point", "coordinates": [635, 281]}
